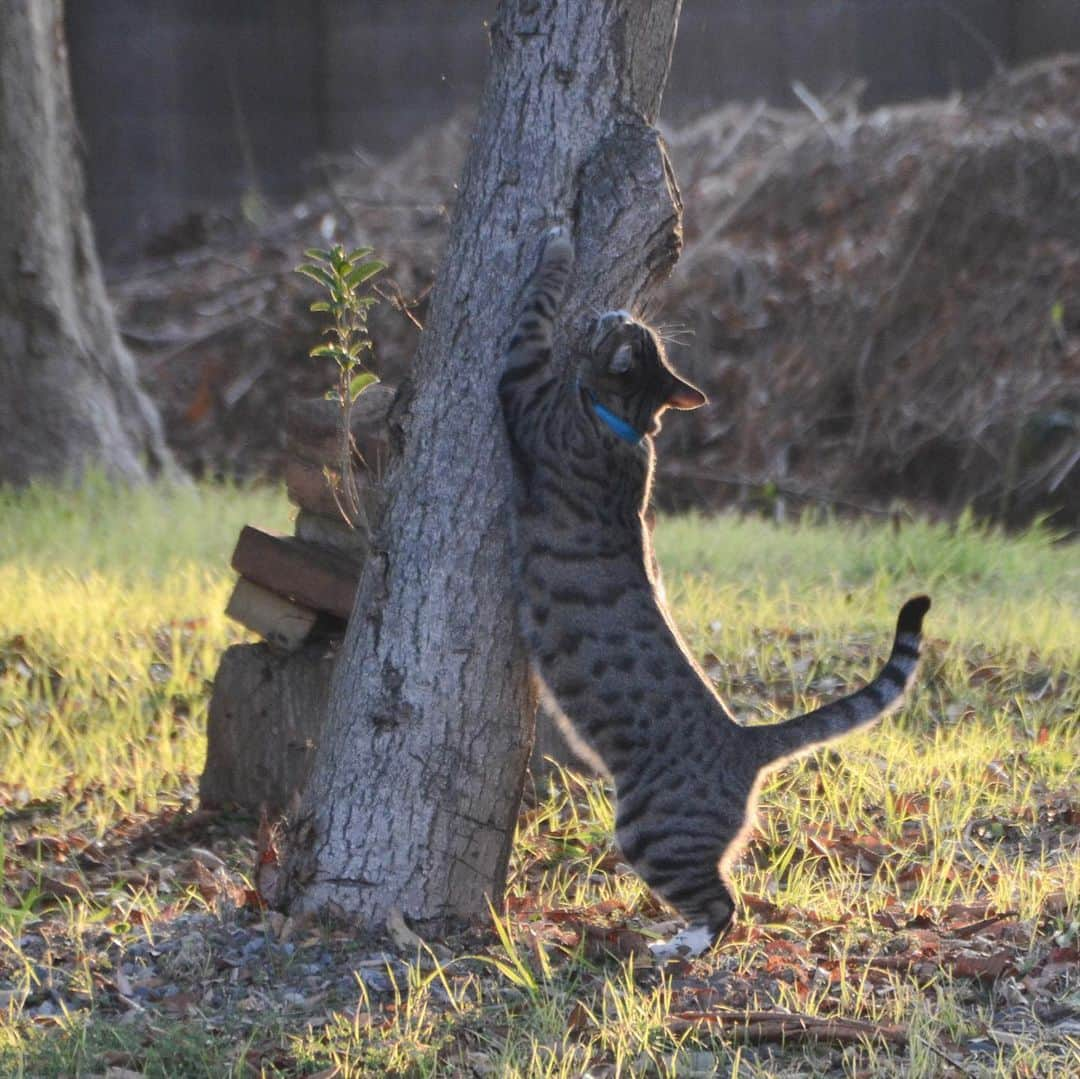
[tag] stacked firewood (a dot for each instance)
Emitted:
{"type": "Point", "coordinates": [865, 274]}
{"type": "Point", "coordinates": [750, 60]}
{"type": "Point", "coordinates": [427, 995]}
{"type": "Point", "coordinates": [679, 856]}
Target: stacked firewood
{"type": "Point", "coordinates": [296, 588]}
{"type": "Point", "coordinates": [296, 592]}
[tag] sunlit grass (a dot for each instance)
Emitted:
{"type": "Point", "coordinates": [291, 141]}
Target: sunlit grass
{"type": "Point", "coordinates": [111, 627]}
{"type": "Point", "coordinates": [1013, 593]}
{"type": "Point", "coordinates": [111, 623]}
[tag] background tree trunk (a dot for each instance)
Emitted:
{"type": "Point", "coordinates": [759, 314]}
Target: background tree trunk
{"type": "Point", "coordinates": [416, 784]}
{"type": "Point", "coordinates": [70, 399]}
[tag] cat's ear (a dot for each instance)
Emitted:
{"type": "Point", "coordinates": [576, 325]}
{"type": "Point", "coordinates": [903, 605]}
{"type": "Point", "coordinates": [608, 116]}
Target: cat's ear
{"type": "Point", "coordinates": [622, 360]}
{"type": "Point", "coordinates": [684, 397]}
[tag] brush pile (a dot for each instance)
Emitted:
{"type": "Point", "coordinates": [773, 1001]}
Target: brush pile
{"type": "Point", "coordinates": [887, 305]}
{"type": "Point", "coordinates": [882, 306]}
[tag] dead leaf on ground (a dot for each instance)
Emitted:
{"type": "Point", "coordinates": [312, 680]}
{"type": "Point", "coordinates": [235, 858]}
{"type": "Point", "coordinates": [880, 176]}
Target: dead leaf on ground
{"type": "Point", "coordinates": [404, 938]}
{"type": "Point", "coordinates": [612, 941]}
{"type": "Point", "coordinates": [267, 859]}
{"type": "Point", "coordinates": [983, 968]}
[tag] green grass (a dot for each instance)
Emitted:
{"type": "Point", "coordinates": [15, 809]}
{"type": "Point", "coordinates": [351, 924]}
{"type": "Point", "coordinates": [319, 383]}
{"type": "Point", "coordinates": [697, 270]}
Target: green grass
{"type": "Point", "coordinates": [111, 622]}
{"type": "Point", "coordinates": [869, 867]}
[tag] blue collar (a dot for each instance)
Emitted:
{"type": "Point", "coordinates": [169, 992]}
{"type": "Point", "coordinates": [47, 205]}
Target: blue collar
{"type": "Point", "coordinates": [616, 424]}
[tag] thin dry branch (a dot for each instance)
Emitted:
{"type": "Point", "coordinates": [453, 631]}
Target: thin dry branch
{"type": "Point", "coordinates": [767, 1026]}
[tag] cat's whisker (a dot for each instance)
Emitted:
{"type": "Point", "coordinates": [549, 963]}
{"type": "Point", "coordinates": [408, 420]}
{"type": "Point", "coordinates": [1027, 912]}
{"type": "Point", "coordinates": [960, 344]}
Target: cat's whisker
{"type": "Point", "coordinates": [676, 336]}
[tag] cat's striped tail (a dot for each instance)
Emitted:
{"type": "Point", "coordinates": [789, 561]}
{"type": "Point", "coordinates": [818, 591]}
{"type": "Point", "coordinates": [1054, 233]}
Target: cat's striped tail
{"type": "Point", "coordinates": [881, 696]}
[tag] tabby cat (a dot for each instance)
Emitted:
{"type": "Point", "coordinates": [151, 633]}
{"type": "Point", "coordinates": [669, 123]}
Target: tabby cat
{"type": "Point", "coordinates": [607, 652]}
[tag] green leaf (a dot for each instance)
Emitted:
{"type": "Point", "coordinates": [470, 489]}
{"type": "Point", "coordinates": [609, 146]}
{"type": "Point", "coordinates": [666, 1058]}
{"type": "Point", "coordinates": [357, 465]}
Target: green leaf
{"type": "Point", "coordinates": [360, 383]}
{"type": "Point", "coordinates": [331, 395]}
{"type": "Point", "coordinates": [359, 274]}
{"type": "Point", "coordinates": [337, 354]}
{"type": "Point", "coordinates": [360, 253]}
{"type": "Point", "coordinates": [318, 275]}
{"type": "Point", "coordinates": [320, 305]}
{"type": "Point", "coordinates": [316, 253]}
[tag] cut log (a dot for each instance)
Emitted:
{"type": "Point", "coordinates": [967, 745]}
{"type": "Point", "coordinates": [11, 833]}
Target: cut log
{"type": "Point", "coordinates": [284, 624]}
{"type": "Point", "coordinates": [309, 576]}
{"type": "Point", "coordinates": [266, 717]}
{"type": "Point", "coordinates": [333, 533]}
{"type": "Point", "coordinates": [312, 428]}
{"type": "Point", "coordinates": [309, 487]}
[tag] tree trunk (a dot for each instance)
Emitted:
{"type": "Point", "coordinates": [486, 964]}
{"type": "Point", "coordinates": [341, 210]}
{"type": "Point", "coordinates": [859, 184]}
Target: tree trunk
{"type": "Point", "coordinates": [71, 399]}
{"type": "Point", "coordinates": [414, 792]}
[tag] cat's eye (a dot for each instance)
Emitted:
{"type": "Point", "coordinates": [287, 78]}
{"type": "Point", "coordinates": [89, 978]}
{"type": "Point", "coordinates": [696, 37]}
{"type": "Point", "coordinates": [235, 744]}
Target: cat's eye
{"type": "Point", "coordinates": [622, 361]}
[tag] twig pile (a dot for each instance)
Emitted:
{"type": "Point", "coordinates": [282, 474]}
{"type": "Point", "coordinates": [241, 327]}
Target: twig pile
{"type": "Point", "coordinates": [888, 304]}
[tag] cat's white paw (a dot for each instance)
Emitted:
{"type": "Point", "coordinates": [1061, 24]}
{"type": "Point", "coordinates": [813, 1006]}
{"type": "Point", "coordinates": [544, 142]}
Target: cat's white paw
{"type": "Point", "coordinates": [688, 943]}
{"type": "Point", "coordinates": [558, 248]}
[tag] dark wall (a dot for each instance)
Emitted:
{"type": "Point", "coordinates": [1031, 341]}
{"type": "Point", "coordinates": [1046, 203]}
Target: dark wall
{"type": "Point", "coordinates": [186, 104]}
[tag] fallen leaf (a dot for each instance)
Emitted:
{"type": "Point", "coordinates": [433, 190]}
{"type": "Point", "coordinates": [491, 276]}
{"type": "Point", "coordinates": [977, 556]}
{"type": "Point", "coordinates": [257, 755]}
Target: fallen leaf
{"type": "Point", "coordinates": [579, 1018]}
{"type": "Point", "coordinates": [180, 1003]}
{"type": "Point", "coordinates": [620, 943]}
{"type": "Point", "coordinates": [207, 858]}
{"type": "Point", "coordinates": [983, 968]}
{"type": "Point", "coordinates": [975, 928]}
{"type": "Point", "coordinates": [911, 806]}
{"type": "Point", "coordinates": [404, 938]}
{"type": "Point", "coordinates": [58, 889]}
{"type": "Point", "coordinates": [1056, 904]}
{"type": "Point", "coordinates": [267, 859]}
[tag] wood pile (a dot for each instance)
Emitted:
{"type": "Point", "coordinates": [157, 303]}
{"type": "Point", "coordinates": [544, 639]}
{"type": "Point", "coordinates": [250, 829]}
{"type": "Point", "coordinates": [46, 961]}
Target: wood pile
{"type": "Point", "coordinates": [294, 587]}
{"type": "Point", "coordinates": [297, 593]}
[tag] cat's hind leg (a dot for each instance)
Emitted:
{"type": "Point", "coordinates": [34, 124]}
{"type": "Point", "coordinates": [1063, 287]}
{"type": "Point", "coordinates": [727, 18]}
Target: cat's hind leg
{"type": "Point", "coordinates": [684, 871]}
{"type": "Point", "coordinates": [708, 911]}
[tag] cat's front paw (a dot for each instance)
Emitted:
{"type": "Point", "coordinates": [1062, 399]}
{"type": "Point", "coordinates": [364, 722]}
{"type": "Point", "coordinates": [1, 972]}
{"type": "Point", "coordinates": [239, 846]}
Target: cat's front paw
{"type": "Point", "coordinates": [688, 943]}
{"type": "Point", "coordinates": [557, 244]}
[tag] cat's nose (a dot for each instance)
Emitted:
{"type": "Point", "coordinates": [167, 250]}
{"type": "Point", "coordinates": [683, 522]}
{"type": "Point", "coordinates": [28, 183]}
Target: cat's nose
{"type": "Point", "coordinates": [610, 320]}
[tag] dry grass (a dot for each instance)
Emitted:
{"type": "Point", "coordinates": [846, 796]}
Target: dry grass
{"type": "Point", "coordinates": [913, 896]}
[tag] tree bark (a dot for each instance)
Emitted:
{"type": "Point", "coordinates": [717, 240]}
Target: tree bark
{"type": "Point", "coordinates": [71, 399]}
{"type": "Point", "coordinates": [414, 791]}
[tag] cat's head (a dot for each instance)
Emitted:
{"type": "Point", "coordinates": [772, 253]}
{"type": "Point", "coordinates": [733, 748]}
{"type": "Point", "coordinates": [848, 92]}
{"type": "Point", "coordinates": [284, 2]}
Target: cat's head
{"type": "Point", "coordinates": [628, 372]}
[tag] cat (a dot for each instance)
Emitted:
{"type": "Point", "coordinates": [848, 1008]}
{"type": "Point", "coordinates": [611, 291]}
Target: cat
{"type": "Point", "coordinates": [603, 644]}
